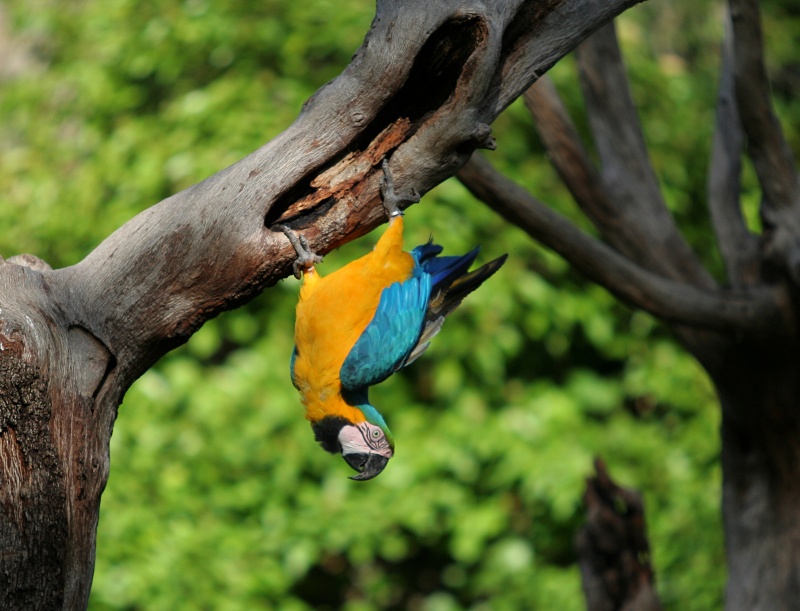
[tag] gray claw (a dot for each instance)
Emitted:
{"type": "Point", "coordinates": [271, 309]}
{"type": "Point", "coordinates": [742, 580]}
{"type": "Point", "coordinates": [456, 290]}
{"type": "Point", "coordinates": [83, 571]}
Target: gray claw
{"type": "Point", "coordinates": [306, 258]}
{"type": "Point", "coordinates": [391, 199]}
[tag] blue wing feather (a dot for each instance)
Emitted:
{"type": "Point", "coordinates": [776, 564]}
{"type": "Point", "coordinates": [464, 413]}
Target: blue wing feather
{"type": "Point", "coordinates": [391, 334]}
{"type": "Point", "coordinates": [426, 251]}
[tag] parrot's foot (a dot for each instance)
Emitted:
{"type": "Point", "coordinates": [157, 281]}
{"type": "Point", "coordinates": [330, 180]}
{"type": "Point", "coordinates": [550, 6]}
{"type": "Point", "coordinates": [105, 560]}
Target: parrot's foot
{"type": "Point", "coordinates": [392, 200]}
{"type": "Point", "coordinates": [306, 258]}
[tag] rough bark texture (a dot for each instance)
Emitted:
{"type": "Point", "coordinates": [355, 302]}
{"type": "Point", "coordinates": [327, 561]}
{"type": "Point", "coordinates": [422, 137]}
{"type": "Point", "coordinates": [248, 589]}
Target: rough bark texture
{"type": "Point", "coordinates": [746, 333]}
{"type": "Point", "coordinates": [613, 550]}
{"type": "Point", "coordinates": [422, 89]}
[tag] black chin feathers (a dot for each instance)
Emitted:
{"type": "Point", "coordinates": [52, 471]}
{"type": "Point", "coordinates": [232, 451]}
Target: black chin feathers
{"type": "Point", "coordinates": [326, 432]}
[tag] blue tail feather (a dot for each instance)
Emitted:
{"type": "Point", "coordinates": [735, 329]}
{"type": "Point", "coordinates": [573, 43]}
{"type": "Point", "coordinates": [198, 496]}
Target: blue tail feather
{"type": "Point", "coordinates": [442, 269]}
{"type": "Point", "coordinates": [424, 252]}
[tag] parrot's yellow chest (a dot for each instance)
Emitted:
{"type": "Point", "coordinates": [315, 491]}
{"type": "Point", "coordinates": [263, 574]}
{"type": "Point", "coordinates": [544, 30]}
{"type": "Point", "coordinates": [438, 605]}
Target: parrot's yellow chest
{"type": "Point", "coordinates": [333, 312]}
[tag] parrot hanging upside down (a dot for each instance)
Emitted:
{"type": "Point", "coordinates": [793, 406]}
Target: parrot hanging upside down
{"type": "Point", "coordinates": [360, 324]}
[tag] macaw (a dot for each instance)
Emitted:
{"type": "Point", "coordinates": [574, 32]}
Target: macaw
{"type": "Point", "coordinates": [357, 326]}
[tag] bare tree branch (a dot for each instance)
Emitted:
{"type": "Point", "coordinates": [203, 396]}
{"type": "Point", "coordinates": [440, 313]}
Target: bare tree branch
{"type": "Point", "coordinates": [768, 148]}
{"type": "Point", "coordinates": [628, 177]}
{"type": "Point", "coordinates": [573, 164]}
{"type": "Point", "coordinates": [525, 52]}
{"type": "Point", "coordinates": [772, 158]}
{"type": "Point", "coordinates": [739, 247]}
{"type": "Point", "coordinates": [757, 311]}
{"type": "Point", "coordinates": [158, 278]}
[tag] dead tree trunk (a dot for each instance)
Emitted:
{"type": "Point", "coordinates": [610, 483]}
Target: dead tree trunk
{"type": "Point", "coordinates": [745, 334]}
{"type": "Point", "coordinates": [613, 550]}
{"type": "Point", "coordinates": [422, 89]}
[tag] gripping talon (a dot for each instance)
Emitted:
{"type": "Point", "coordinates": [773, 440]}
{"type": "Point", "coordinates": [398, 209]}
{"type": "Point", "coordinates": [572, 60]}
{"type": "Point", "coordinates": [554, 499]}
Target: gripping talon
{"type": "Point", "coordinates": [306, 258]}
{"type": "Point", "coordinates": [391, 199]}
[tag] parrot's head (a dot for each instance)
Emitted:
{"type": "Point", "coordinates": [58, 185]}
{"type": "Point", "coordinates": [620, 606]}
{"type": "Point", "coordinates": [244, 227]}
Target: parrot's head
{"type": "Point", "coordinates": [366, 446]}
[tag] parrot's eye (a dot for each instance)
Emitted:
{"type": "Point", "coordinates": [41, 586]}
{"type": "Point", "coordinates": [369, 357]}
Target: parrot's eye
{"type": "Point", "coordinates": [376, 434]}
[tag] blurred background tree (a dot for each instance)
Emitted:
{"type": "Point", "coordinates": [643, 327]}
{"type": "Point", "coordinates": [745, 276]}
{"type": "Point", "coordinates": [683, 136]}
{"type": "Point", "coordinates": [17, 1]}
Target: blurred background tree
{"type": "Point", "coordinates": [218, 497]}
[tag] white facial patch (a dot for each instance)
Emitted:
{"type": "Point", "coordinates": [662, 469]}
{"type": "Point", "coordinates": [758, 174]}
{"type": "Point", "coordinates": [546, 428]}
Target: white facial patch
{"type": "Point", "coordinates": [364, 438]}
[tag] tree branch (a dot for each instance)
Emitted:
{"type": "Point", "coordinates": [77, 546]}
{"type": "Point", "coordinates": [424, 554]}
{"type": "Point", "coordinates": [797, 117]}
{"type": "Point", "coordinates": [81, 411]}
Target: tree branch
{"type": "Point", "coordinates": [628, 177]}
{"type": "Point", "coordinates": [768, 148]}
{"type": "Point", "coordinates": [150, 285]}
{"type": "Point", "coordinates": [772, 158]}
{"type": "Point", "coordinates": [739, 247]}
{"type": "Point", "coordinates": [573, 164]}
{"type": "Point", "coordinates": [527, 54]}
{"type": "Point", "coordinates": [756, 311]}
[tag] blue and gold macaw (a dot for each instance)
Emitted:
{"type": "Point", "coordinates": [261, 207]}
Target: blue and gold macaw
{"type": "Point", "coordinates": [360, 324]}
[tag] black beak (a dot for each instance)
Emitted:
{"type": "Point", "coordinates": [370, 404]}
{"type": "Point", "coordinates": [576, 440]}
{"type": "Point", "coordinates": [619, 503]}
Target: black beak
{"type": "Point", "coordinates": [367, 465]}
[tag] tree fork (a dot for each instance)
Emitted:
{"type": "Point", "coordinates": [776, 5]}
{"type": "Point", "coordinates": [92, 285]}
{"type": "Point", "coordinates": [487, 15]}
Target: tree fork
{"type": "Point", "coordinates": [745, 338]}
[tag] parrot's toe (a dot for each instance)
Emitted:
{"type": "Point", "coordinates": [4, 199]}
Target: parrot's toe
{"type": "Point", "coordinates": [306, 258]}
{"type": "Point", "coordinates": [391, 199]}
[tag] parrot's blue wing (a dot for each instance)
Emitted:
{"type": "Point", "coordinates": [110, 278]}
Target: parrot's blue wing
{"type": "Point", "coordinates": [391, 334]}
{"type": "Point", "coordinates": [443, 272]}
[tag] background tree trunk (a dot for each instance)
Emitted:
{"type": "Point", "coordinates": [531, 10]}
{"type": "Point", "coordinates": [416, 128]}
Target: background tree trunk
{"type": "Point", "coordinates": [758, 391]}
{"type": "Point", "coordinates": [744, 334]}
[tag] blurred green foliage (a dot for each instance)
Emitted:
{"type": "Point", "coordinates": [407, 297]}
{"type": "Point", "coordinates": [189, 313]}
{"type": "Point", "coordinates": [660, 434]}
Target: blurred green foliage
{"type": "Point", "coordinates": [218, 497]}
